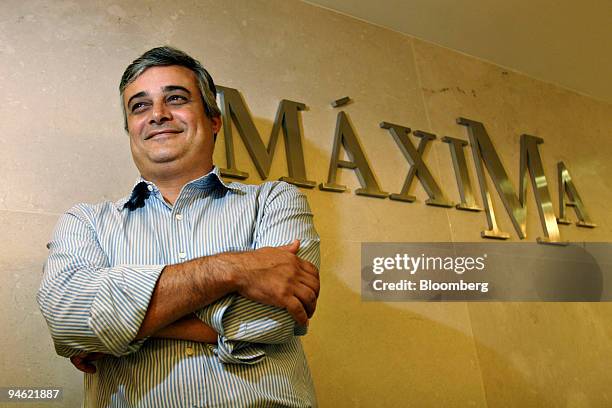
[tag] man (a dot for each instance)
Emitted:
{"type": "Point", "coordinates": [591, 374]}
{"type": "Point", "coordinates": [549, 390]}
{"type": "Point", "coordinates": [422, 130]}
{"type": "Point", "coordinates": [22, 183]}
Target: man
{"type": "Point", "coordinates": [190, 291]}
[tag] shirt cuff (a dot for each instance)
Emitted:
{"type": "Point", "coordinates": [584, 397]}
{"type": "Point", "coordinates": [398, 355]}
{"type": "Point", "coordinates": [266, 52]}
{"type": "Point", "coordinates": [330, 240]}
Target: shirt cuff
{"type": "Point", "coordinates": [238, 352]}
{"type": "Point", "coordinates": [245, 327]}
{"type": "Point", "coordinates": [229, 351]}
{"type": "Point", "coordinates": [120, 305]}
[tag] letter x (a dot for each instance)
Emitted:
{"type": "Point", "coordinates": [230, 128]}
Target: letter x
{"type": "Point", "coordinates": [418, 167]}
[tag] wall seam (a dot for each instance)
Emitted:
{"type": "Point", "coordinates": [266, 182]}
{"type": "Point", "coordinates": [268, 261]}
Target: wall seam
{"type": "Point", "coordinates": [40, 212]}
{"type": "Point", "coordinates": [446, 211]}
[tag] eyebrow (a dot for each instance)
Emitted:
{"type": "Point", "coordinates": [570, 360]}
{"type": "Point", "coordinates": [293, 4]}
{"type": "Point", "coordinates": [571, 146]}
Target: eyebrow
{"type": "Point", "coordinates": [165, 89]}
{"type": "Point", "coordinates": [171, 88]}
{"type": "Point", "coordinates": [138, 95]}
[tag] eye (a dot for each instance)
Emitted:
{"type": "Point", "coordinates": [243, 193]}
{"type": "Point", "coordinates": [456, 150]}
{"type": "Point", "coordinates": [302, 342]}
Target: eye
{"type": "Point", "coordinates": [139, 107]}
{"type": "Point", "coordinates": [176, 99]}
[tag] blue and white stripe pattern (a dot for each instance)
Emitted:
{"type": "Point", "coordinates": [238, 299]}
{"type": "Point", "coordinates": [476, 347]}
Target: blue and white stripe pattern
{"type": "Point", "coordinates": [102, 268]}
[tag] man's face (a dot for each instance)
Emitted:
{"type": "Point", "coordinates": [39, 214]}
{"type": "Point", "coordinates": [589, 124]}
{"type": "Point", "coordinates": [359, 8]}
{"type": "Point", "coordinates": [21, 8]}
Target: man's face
{"type": "Point", "coordinates": [168, 127]}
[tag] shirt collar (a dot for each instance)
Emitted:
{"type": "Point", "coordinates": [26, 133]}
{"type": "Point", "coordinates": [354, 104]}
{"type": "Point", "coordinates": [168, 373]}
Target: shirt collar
{"type": "Point", "coordinates": [143, 188]}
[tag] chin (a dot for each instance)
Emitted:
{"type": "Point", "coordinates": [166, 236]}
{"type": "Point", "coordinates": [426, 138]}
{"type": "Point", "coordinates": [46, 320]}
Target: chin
{"type": "Point", "coordinates": [163, 157]}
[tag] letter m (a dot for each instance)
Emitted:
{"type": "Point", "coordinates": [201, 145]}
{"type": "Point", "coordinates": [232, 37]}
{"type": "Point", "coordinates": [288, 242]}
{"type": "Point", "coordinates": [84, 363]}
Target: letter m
{"type": "Point", "coordinates": [531, 162]}
{"type": "Point", "coordinates": [234, 110]}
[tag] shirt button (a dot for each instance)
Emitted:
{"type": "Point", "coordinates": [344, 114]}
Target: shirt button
{"type": "Point", "coordinates": [189, 351]}
{"type": "Point", "coordinates": [179, 216]}
{"type": "Point", "coordinates": [150, 187]}
{"type": "Point", "coordinates": [182, 255]}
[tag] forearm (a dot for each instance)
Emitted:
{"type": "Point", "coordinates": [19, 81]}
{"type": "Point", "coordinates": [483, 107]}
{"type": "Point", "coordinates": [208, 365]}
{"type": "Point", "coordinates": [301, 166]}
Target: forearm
{"type": "Point", "coordinates": [188, 328]}
{"type": "Point", "coordinates": [273, 276]}
{"type": "Point", "coordinates": [183, 288]}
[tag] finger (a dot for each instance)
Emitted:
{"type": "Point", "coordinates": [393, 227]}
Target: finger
{"type": "Point", "coordinates": [310, 281]}
{"type": "Point", "coordinates": [84, 361]}
{"type": "Point", "coordinates": [88, 368]}
{"type": "Point", "coordinates": [75, 360]}
{"type": "Point", "coordinates": [293, 247]}
{"type": "Point", "coordinates": [296, 310]}
{"type": "Point", "coordinates": [95, 356]}
{"type": "Point", "coordinates": [309, 267]}
{"type": "Point", "coordinates": [308, 298]}
{"type": "Point", "coordinates": [83, 365]}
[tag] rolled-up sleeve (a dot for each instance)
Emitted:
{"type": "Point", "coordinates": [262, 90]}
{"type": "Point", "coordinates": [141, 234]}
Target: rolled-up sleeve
{"type": "Point", "coordinates": [244, 325]}
{"type": "Point", "coordinates": [90, 306]}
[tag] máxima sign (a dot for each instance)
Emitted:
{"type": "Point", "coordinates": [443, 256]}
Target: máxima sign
{"type": "Point", "coordinates": [485, 157]}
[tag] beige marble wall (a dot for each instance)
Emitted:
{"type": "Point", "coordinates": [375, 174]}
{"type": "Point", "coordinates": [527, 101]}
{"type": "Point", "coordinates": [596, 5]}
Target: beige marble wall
{"type": "Point", "coordinates": [62, 142]}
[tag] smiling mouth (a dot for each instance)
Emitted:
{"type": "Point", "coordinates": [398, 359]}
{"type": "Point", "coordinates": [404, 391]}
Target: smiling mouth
{"type": "Point", "coordinates": [162, 133]}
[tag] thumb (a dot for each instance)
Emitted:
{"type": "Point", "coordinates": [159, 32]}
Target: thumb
{"type": "Point", "coordinates": [292, 247]}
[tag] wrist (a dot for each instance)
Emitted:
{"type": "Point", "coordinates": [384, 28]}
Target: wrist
{"type": "Point", "coordinates": [220, 271]}
{"type": "Point", "coordinates": [232, 270]}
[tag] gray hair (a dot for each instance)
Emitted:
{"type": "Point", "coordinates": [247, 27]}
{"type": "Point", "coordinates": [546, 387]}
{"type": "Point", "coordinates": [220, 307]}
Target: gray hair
{"type": "Point", "coordinates": [166, 56]}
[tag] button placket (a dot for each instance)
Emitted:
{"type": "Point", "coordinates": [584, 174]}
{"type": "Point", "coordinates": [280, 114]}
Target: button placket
{"type": "Point", "coordinates": [181, 226]}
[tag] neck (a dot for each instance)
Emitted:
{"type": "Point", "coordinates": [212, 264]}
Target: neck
{"type": "Point", "coordinates": [171, 182]}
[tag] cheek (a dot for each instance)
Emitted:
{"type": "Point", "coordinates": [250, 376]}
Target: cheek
{"type": "Point", "coordinates": [134, 147]}
{"type": "Point", "coordinates": [135, 125]}
{"type": "Point", "coordinates": [135, 136]}
{"type": "Point", "coordinates": [185, 117]}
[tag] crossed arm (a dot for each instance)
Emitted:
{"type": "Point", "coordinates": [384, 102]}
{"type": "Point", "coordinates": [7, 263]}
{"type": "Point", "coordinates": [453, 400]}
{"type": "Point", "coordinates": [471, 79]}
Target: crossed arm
{"type": "Point", "coordinates": [272, 276]}
{"type": "Point", "coordinates": [157, 300]}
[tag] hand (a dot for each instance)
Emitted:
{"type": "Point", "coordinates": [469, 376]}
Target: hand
{"type": "Point", "coordinates": [84, 361]}
{"type": "Point", "coordinates": [278, 277]}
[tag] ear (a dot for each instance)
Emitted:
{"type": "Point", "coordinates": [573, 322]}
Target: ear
{"type": "Point", "coordinates": [216, 123]}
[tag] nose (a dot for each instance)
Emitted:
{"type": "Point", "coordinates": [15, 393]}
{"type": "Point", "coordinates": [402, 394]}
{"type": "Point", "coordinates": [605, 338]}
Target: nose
{"type": "Point", "coordinates": [160, 114]}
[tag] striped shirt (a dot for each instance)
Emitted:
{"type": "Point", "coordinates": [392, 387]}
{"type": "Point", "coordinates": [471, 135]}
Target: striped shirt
{"type": "Point", "coordinates": [104, 261]}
